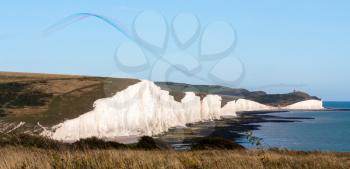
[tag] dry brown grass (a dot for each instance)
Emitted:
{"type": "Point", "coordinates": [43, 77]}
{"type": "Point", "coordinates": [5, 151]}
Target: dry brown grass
{"type": "Point", "coordinates": [15, 157]}
{"type": "Point", "coordinates": [6, 77]}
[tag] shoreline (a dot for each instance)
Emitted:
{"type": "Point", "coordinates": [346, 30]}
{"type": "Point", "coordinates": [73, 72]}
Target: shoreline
{"type": "Point", "coordinates": [228, 128]}
{"type": "Point", "coordinates": [232, 128]}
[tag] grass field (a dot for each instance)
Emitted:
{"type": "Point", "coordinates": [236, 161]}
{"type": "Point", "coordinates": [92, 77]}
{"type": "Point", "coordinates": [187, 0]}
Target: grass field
{"type": "Point", "coordinates": [25, 151]}
{"type": "Point", "coordinates": [17, 157]}
{"type": "Point", "coordinates": [51, 99]}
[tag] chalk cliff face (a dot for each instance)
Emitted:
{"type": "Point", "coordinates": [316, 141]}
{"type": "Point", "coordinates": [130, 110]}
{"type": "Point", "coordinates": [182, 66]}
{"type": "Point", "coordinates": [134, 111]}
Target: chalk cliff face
{"type": "Point", "coordinates": [145, 109]}
{"type": "Point", "coordinates": [141, 109]}
{"type": "Point", "coordinates": [243, 105]}
{"type": "Point", "coordinates": [306, 105]}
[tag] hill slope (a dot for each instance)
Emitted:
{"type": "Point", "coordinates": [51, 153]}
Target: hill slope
{"type": "Point", "coordinates": [50, 99]}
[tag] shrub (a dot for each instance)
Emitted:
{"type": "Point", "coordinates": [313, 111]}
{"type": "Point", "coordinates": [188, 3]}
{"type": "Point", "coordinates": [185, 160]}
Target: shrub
{"type": "Point", "coordinates": [95, 143]}
{"type": "Point", "coordinates": [2, 113]}
{"type": "Point", "coordinates": [27, 140]}
{"type": "Point", "coordinates": [147, 143]}
{"type": "Point", "coordinates": [216, 143]}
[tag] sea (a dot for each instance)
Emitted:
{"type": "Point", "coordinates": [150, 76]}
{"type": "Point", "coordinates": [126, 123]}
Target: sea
{"type": "Point", "coordinates": [316, 131]}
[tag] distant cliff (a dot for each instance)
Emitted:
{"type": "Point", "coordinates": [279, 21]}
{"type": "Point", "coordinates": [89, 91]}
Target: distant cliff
{"type": "Point", "coordinates": [262, 97]}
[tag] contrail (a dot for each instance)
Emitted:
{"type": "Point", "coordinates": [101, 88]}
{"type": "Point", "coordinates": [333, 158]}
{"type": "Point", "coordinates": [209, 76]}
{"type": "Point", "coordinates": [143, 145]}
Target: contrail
{"type": "Point", "coordinates": [74, 18]}
{"type": "Point", "coordinates": [69, 20]}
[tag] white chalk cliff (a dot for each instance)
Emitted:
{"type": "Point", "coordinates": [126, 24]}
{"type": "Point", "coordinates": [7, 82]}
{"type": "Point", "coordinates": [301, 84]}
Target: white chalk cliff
{"type": "Point", "coordinates": [306, 105]}
{"type": "Point", "coordinates": [145, 109]}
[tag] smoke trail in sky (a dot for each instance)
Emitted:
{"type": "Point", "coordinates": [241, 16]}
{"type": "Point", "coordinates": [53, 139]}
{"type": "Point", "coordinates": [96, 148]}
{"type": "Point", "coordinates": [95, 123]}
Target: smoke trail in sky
{"type": "Point", "coordinates": [69, 20]}
{"type": "Point", "coordinates": [74, 18]}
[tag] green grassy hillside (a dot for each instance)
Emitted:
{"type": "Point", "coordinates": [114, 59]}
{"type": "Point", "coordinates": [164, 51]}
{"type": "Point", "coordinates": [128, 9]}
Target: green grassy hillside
{"type": "Point", "coordinates": [50, 99]}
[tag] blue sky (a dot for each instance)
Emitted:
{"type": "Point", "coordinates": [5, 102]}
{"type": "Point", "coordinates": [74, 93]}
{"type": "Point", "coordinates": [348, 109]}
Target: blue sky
{"type": "Point", "coordinates": [284, 45]}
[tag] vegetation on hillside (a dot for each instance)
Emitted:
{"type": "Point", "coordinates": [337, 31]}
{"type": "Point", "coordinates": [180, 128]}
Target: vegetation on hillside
{"type": "Point", "coordinates": [18, 95]}
{"type": "Point", "coordinates": [51, 99]}
{"type": "Point", "coordinates": [17, 157]}
{"type": "Point", "coordinates": [26, 151]}
{"type": "Point", "coordinates": [144, 143]}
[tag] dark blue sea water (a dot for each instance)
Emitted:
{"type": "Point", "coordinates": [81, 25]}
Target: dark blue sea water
{"type": "Point", "coordinates": [328, 131]}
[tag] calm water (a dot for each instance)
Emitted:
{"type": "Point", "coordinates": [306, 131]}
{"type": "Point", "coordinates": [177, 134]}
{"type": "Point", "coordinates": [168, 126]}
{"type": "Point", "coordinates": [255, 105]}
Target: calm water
{"type": "Point", "coordinates": [328, 131]}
